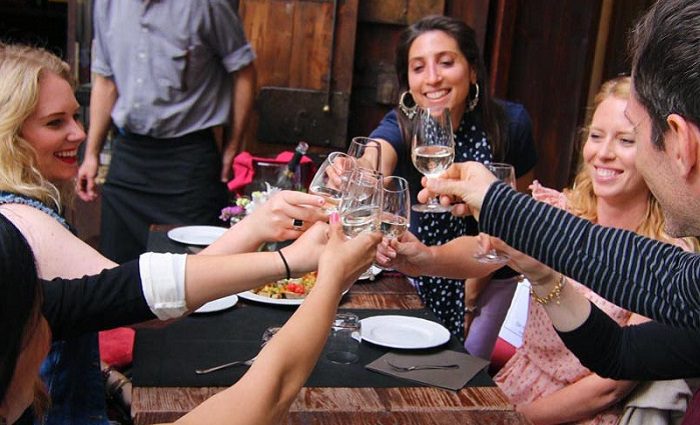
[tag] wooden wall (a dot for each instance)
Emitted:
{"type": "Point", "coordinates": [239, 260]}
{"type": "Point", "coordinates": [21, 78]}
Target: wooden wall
{"type": "Point", "coordinates": [547, 67]}
{"type": "Point", "coordinates": [541, 53]}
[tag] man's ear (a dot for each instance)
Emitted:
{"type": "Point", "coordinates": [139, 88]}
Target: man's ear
{"type": "Point", "coordinates": [686, 137]}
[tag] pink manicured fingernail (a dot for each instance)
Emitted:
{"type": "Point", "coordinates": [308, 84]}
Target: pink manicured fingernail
{"type": "Point", "coordinates": [334, 218]}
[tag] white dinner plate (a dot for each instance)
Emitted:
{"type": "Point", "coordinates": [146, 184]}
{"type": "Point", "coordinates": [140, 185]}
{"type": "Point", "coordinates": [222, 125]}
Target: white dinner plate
{"type": "Point", "coordinates": [218, 305]}
{"type": "Point", "coordinates": [403, 332]}
{"type": "Point", "coordinates": [252, 296]}
{"type": "Point", "coordinates": [196, 235]}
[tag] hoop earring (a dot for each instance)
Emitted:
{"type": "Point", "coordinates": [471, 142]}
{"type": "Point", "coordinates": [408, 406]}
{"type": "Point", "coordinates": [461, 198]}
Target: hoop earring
{"type": "Point", "coordinates": [471, 104]}
{"type": "Point", "coordinates": [408, 110]}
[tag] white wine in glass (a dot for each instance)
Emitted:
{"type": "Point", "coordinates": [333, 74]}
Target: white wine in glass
{"type": "Point", "coordinates": [367, 152]}
{"type": "Point", "coordinates": [506, 173]}
{"type": "Point", "coordinates": [395, 207]}
{"type": "Point", "coordinates": [330, 178]}
{"type": "Point", "coordinates": [432, 149]}
{"type": "Point", "coordinates": [361, 203]}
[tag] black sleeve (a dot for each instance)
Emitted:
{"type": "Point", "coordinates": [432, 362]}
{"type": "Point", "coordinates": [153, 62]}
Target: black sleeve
{"type": "Point", "coordinates": [649, 351]}
{"type": "Point", "coordinates": [110, 299]}
{"type": "Point", "coordinates": [656, 280]}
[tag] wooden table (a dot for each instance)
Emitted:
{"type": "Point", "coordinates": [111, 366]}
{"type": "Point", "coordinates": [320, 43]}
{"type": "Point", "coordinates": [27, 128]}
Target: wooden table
{"type": "Point", "coordinates": [330, 406]}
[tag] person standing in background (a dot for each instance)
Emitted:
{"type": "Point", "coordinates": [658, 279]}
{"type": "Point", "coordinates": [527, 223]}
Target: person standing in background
{"type": "Point", "coordinates": [166, 74]}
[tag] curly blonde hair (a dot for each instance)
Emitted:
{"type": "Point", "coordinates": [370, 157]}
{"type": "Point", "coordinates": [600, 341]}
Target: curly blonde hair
{"type": "Point", "coordinates": [21, 68]}
{"type": "Point", "coordinates": [582, 199]}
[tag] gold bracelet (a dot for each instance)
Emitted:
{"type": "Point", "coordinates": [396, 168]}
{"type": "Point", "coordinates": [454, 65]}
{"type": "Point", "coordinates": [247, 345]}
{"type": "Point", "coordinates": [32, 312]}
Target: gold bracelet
{"type": "Point", "coordinates": [554, 294]}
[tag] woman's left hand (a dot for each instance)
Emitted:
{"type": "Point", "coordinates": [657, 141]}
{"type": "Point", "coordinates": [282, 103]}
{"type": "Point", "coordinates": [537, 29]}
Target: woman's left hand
{"type": "Point", "coordinates": [534, 270]}
{"type": "Point", "coordinates": [407, 255]}
{"type": "Point", "coordinates": [286, 215]}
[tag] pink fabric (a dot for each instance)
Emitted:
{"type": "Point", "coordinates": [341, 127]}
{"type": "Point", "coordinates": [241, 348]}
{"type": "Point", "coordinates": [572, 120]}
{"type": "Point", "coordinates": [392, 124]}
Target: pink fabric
{"type": "Point", "coordinates": [543, 364]}
{"type": "Point", "coordinates": [502, 352]}
{"type": "Point", "coordinates": [692, 414]}
{"type": "Point", "coordinates": [117, 347]}
{"type": "Point", "coordinates": [244, 167]}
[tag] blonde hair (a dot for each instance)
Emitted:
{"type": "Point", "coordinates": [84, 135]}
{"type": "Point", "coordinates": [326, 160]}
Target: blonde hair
{"type": "Point", "coordinates": [581, 198]}
{"type": "Point", "coordinates": [21, 68]}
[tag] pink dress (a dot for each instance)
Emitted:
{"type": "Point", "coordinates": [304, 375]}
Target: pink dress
{"type": "Point", "coordinates": [543, 364]}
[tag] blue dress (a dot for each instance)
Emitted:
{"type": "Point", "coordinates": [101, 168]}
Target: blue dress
{"type": "Point", "coordinates": [445, 297]}
{"type": "Point", "coordinates": [71, 371]}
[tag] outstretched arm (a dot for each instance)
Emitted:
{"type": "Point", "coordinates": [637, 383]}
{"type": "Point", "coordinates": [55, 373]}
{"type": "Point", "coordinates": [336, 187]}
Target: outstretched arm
{"type": "Point", "coordinates": [453, 259]}
{"type": "Point", "coordinates": [265, 393]}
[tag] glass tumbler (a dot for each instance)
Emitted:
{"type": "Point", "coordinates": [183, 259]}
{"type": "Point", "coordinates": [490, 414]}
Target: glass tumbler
{"type": "Point", "coordinates": [343, 345]}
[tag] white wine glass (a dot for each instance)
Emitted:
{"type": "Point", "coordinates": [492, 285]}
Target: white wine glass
{"type": "Point", "coordinates": [396, 209]}
{"type": "Point", "coordinates": [432, 149]}
{"type": "Point", "coordinates": [506, 173]}
{"type": "Point", "coordinates": [367, 152]}
{"type": "Point", "coordinates": [330, 178]}
{"type": "Point", "coordinates": [361, 202]}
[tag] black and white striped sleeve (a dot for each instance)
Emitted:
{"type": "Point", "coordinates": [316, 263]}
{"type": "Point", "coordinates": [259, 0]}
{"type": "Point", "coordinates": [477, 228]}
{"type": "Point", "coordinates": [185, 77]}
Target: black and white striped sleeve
{"type": "Point", "coordinates": [657, 280]}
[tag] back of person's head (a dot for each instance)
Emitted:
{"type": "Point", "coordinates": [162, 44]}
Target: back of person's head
{"type": "Point", "coordinates": [582, 199]}
{"type": "Point", "coordinates": [21, 68]}
{"type": "Point", "coordinates": [20, 299]}
{"type": "Point", "coordinates": [488, 112]}
{"type": "Point", "coordinates": [665, 48]}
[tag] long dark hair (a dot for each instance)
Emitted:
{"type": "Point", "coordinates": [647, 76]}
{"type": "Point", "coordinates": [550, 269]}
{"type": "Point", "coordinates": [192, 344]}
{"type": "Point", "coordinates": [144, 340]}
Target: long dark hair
{"type": "Point", "coordinates": [489, 113]}
{"type": "Point", "coordinates": [20, 299]}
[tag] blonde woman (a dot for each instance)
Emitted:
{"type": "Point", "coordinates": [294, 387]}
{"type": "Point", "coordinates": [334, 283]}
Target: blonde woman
{"type": "Point", "coordinates": [39, 140]}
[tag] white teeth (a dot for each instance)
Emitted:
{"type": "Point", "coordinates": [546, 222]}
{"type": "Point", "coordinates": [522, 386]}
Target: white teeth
{"type": "Point", "coordinates": [606, 172]}
{"type": "Point", "coordinates": [67, 154]}
{"type": "Point", "coordinates": [436, 94]}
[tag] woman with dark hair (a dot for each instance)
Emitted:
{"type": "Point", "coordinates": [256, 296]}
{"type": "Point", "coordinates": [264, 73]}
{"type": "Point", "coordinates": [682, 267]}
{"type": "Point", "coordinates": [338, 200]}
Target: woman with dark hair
{"type": "Point", "coordinates": [32, 312]}
{"type": "Point", "coordinates": [439, 65]}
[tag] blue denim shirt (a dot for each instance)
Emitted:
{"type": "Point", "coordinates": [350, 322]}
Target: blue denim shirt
{"type": "Point", "coordinates": [71, 371]}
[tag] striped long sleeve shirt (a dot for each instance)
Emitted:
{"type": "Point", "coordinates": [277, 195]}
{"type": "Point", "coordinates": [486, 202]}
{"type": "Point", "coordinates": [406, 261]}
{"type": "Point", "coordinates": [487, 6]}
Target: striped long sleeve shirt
{"type": "Point", "coordinates": [657, 280]}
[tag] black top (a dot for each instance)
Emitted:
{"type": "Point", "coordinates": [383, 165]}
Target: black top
{"type": "Point", "coordinates": [108, 300]}
{"type": "Point", "coordinates": [650, 351]}
{"type": "Point", "coordinates": [654, 279]}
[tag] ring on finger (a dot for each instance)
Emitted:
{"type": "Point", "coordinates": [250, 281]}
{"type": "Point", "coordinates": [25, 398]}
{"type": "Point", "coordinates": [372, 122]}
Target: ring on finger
{"type": "Point", "coordinates": [297, 224]}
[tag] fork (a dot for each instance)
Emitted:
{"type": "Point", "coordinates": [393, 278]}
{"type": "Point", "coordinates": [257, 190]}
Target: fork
{"type": "Point", "coordinates": [225, 365]}
{"type": "Point", "coordinates": [420, 367]}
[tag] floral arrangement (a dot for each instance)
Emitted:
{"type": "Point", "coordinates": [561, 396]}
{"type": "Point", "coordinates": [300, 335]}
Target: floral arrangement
{"type": "Point", "coordinates": [244, 205]}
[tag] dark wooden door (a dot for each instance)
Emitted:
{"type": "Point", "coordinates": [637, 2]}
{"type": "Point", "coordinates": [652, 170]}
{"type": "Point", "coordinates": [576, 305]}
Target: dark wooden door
{"type": "Point", "coordinates": [543, 59]}
{"type": "Point", "coordinates": [304, 61]}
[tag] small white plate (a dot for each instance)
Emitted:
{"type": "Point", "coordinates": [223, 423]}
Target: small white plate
{"type": "Point", "coordinates": [403, 332]}
{"type": "Point", "coordinates": [196, 235]}
{"type": "Point", "coordinates": [218, 305]}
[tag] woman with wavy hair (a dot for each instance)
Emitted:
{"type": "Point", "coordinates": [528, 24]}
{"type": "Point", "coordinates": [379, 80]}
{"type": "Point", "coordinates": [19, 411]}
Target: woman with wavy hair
{"type": "Point", "coordinates": [39, 140]}
{"type": "Point", "coordinates": [544, 379]}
